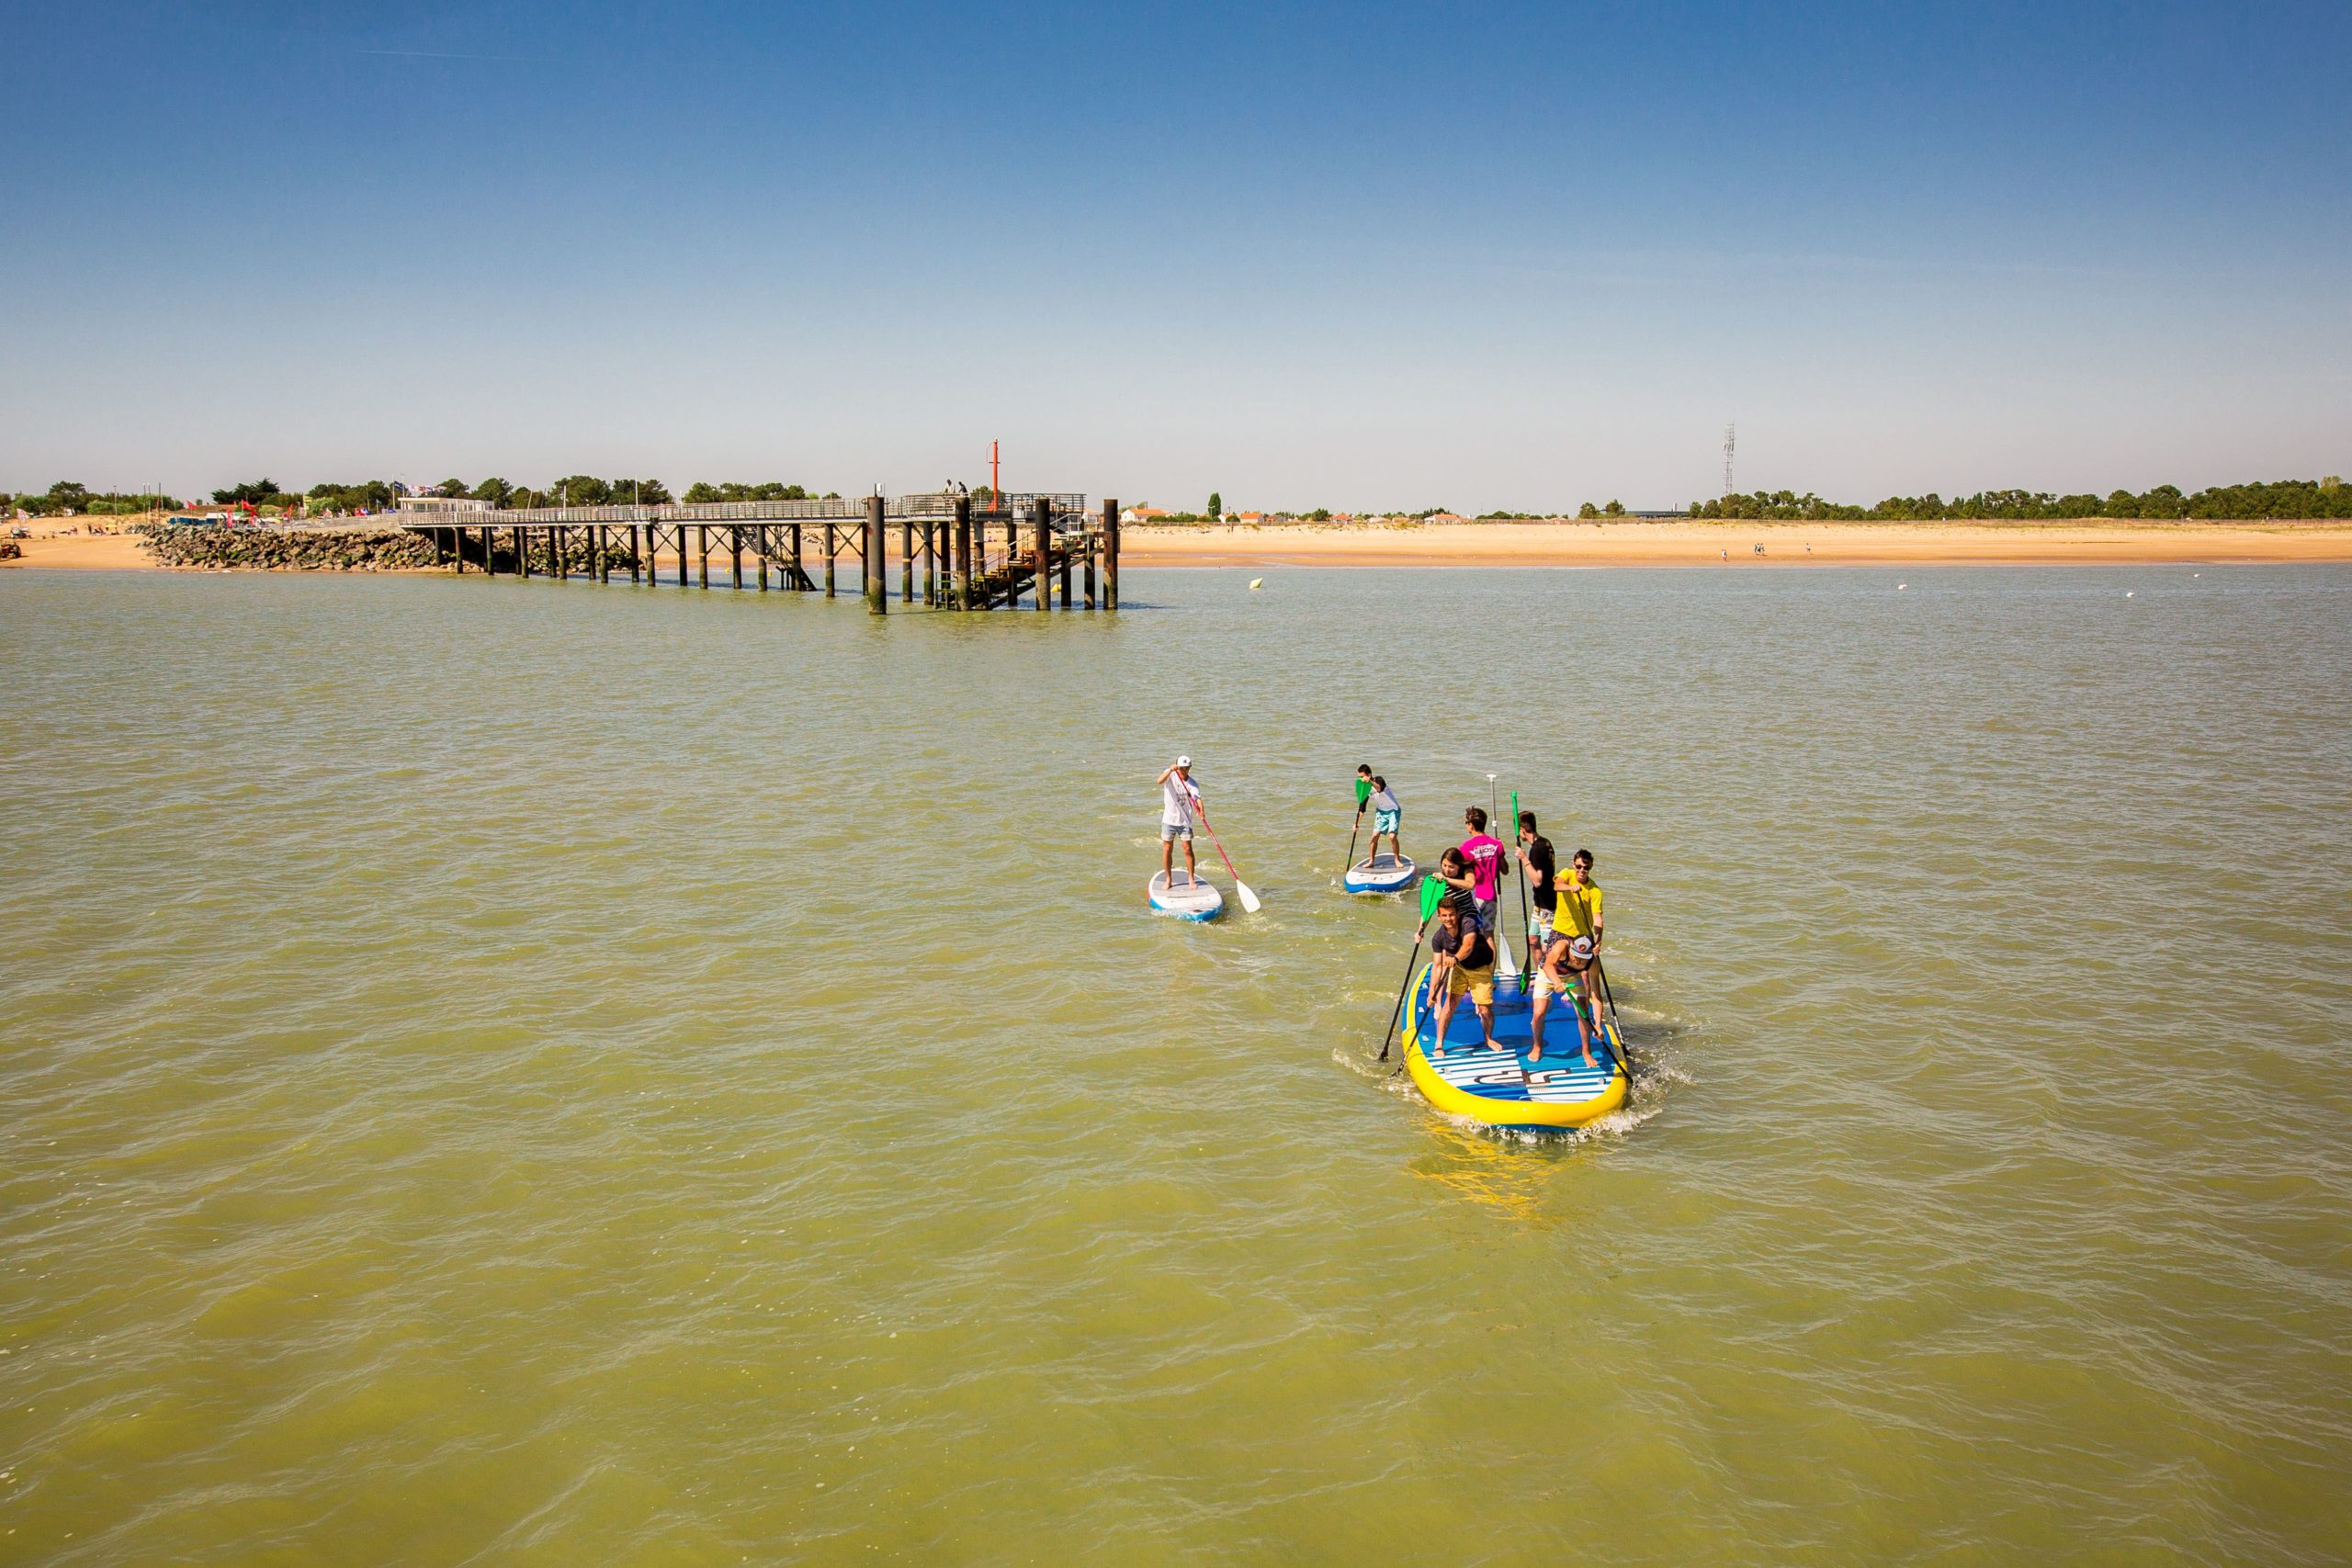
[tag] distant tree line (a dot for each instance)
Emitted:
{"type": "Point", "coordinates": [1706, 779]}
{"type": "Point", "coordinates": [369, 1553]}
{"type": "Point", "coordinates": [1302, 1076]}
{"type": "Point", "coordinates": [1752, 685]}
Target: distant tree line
{"type": "Point", "coordinates": [702, 492]}
{"type": "Point", "coordinates": [573, 490]}
{"type": "Point", "coordinates": [66, 495]}
{"type": "Point", "coordinates": [2279, 499]}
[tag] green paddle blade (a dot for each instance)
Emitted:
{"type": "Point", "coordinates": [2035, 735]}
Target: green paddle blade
{"type": "Point", "coordinates": [1432, 893]}
{"type": "Point", "coordinates": [1364, 792]}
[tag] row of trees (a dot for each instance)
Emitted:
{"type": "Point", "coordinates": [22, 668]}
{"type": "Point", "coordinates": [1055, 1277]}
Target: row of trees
{"type": "Point", "coordinates": [68, 496]}
{"type": "Point", "coordinates": [2325, 497]}
{"type": "Point", "coordinates": [2279, 499]}
{"type": "Point", "coordinates": [573, 490]}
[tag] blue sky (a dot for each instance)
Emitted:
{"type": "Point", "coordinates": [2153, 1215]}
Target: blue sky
{"type": "Point", "coordinates": [1347, 255]}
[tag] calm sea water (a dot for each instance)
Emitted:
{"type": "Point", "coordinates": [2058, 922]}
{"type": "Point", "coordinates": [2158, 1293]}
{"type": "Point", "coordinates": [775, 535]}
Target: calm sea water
{"type": "Point", "coordinates": [532, 1073]}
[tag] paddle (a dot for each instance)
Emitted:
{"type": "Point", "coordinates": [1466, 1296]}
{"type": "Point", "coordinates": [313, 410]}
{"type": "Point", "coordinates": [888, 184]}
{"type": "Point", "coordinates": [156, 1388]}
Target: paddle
{"type": "Point", "coordinates": [1364, 793]}
{"type": "Point", "coordinates": [1432, 893]}
{"type": "Point", "coordinates": [1616, 1024]}
{"type": "Point", "coordinates": [1505, 965]}
{"type": "Point", "coordinates": [1248, 899]}
{"type": "Point", "coordinates": [1526, 926]}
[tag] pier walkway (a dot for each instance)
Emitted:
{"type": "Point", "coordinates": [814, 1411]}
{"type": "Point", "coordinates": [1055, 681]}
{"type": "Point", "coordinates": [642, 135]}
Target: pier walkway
{"type": "Point", "coordinates": [949, 553]}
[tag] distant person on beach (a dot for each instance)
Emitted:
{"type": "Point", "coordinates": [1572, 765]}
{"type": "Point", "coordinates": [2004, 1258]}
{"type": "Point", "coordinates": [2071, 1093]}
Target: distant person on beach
{"type": "Point", "coordinates": [1566, 962]}
{"type": "Point", "coordinates": [1463, 962]}
{"type": "Point", "coordinates": [1386, 814]}
{"type": "Point", "coordinates": [1178, 798]}
{"type": "Point", "coordinates": [1484, 853]}
{"type": "Point", "coordinates": [1535, 857]}
{"type": "Point", "coordinates": [1578, 913]}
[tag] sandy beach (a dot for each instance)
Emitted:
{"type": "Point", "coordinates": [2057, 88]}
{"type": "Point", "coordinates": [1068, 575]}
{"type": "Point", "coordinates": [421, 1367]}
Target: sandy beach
{"type": "Point", "coordinates": [84, 552]}
{"type": "Point", "coordinates": [1592, 544]}
{"type": "Point", "coordinates": [1715, 544]}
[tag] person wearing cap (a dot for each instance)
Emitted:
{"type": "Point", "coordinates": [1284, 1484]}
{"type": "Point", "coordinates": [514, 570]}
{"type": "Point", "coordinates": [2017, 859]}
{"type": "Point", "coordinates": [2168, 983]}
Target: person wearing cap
{"type": "Point", "coordinates": [1568, 962]}
{"type": "Point", "coordinates": [1178, 796]}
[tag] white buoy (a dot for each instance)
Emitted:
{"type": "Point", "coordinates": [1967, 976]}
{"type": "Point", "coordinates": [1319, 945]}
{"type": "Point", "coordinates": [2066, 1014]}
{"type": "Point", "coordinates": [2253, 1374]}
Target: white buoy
{"type": "Point", "coordinates": [1257, 583]}
{"type": "Point", "coordinates": [2128, 595]}
{"type": "Point", "coordinates": [1901, 586]}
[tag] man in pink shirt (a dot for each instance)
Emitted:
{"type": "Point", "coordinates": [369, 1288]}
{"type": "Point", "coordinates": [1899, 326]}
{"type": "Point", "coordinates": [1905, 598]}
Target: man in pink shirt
{"type": "Point", "coordinates": [1485, 855]}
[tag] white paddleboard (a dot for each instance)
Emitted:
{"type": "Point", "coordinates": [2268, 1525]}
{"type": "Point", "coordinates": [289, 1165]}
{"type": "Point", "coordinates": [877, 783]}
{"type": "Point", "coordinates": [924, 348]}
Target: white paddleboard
{"type": "Point", "coordinates": [1381, 874]}
{"type": "Point", "coordinates": [1185, 900]}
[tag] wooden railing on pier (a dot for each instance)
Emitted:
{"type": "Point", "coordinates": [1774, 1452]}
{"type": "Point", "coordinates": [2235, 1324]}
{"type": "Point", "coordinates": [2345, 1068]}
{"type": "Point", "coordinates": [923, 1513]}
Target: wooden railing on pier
{"type": "Point", "coordinates": [1045, 535]}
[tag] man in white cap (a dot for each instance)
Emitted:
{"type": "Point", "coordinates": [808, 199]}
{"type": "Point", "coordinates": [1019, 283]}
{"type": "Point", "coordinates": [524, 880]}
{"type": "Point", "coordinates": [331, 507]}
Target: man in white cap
{"type": "Point", "coordinates": [1566, 971]}
{"type": "Point", "coordinates": [1178, 796]}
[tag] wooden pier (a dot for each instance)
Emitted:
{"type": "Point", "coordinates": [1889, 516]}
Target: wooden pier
{"type": "Point", "coordinates": [950, 554]}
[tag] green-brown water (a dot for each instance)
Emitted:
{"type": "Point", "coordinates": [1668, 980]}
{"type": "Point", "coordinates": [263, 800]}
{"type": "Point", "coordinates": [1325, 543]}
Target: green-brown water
{"type": "Point", "coordinates": [522, 1073]}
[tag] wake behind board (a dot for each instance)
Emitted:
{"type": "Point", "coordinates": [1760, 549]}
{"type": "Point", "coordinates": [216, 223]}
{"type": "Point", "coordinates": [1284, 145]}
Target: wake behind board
{"type": "Point", "coordinates": [1501, 1087]}
{"type": "Point", "coordinates": [1187, 900]}
{"type": "Point", "coordinates": [1381, 874]}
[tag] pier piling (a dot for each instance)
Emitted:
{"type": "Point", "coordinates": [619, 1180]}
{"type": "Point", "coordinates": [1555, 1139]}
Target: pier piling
{"type": "Point", "coordinates": [1041, 558]}
{"type": "Point", "coordinates": [1110, 554]}
{"type": "Point", "coordinates": [963, 552]}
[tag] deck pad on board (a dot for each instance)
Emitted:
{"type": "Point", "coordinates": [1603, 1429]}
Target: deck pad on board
{"type": "Point", "coordinates": [1560, 1079]}
{"type": "Point", "coordinates": [1192, 900]}
{"type": "Point", "coordinates": [1380, 874]}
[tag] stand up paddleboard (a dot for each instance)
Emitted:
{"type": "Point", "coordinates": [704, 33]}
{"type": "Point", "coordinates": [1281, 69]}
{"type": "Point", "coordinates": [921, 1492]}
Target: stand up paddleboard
{"type": "Point", "coordinates": [1187, 900]}
{"type": "Point", "coordinates": [1381, 874]}
{"type": "Point", "coordinates": [1501, 1087]}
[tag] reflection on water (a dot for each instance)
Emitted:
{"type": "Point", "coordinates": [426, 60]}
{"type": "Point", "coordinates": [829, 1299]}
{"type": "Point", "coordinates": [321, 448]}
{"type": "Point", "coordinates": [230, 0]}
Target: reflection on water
{"type": "Point", "coordinates": [690, 1076]}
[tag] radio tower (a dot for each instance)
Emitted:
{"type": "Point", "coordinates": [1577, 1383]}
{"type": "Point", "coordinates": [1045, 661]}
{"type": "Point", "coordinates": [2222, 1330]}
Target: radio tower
{"type": "Point", "coordinates": [1731, 439]}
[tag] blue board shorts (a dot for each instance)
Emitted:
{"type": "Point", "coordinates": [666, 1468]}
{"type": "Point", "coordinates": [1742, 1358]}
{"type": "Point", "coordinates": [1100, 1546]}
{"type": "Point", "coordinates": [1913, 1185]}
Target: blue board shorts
{"type": "Point", "coordinates": [1171, 832]}
{"type": "Point", "coordinates": [1385, 822]}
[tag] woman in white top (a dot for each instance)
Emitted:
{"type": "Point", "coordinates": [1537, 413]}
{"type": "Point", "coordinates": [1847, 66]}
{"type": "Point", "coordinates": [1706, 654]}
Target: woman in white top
{"type": "Point", "coordinates": [1177, 796]}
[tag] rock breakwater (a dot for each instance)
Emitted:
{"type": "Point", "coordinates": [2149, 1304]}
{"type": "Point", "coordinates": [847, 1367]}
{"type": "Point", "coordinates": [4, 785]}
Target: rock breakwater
{"type": "Point", "coordinates": [268, 550]}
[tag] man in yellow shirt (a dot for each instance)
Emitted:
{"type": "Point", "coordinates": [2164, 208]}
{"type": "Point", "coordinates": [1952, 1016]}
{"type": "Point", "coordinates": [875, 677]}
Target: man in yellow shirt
{"type": "Point", "coordinates": [1578, 911]}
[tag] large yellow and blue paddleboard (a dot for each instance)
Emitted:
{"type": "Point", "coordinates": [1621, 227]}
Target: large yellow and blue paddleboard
{"type": "Point", "coordinates": [1501, 1087]}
